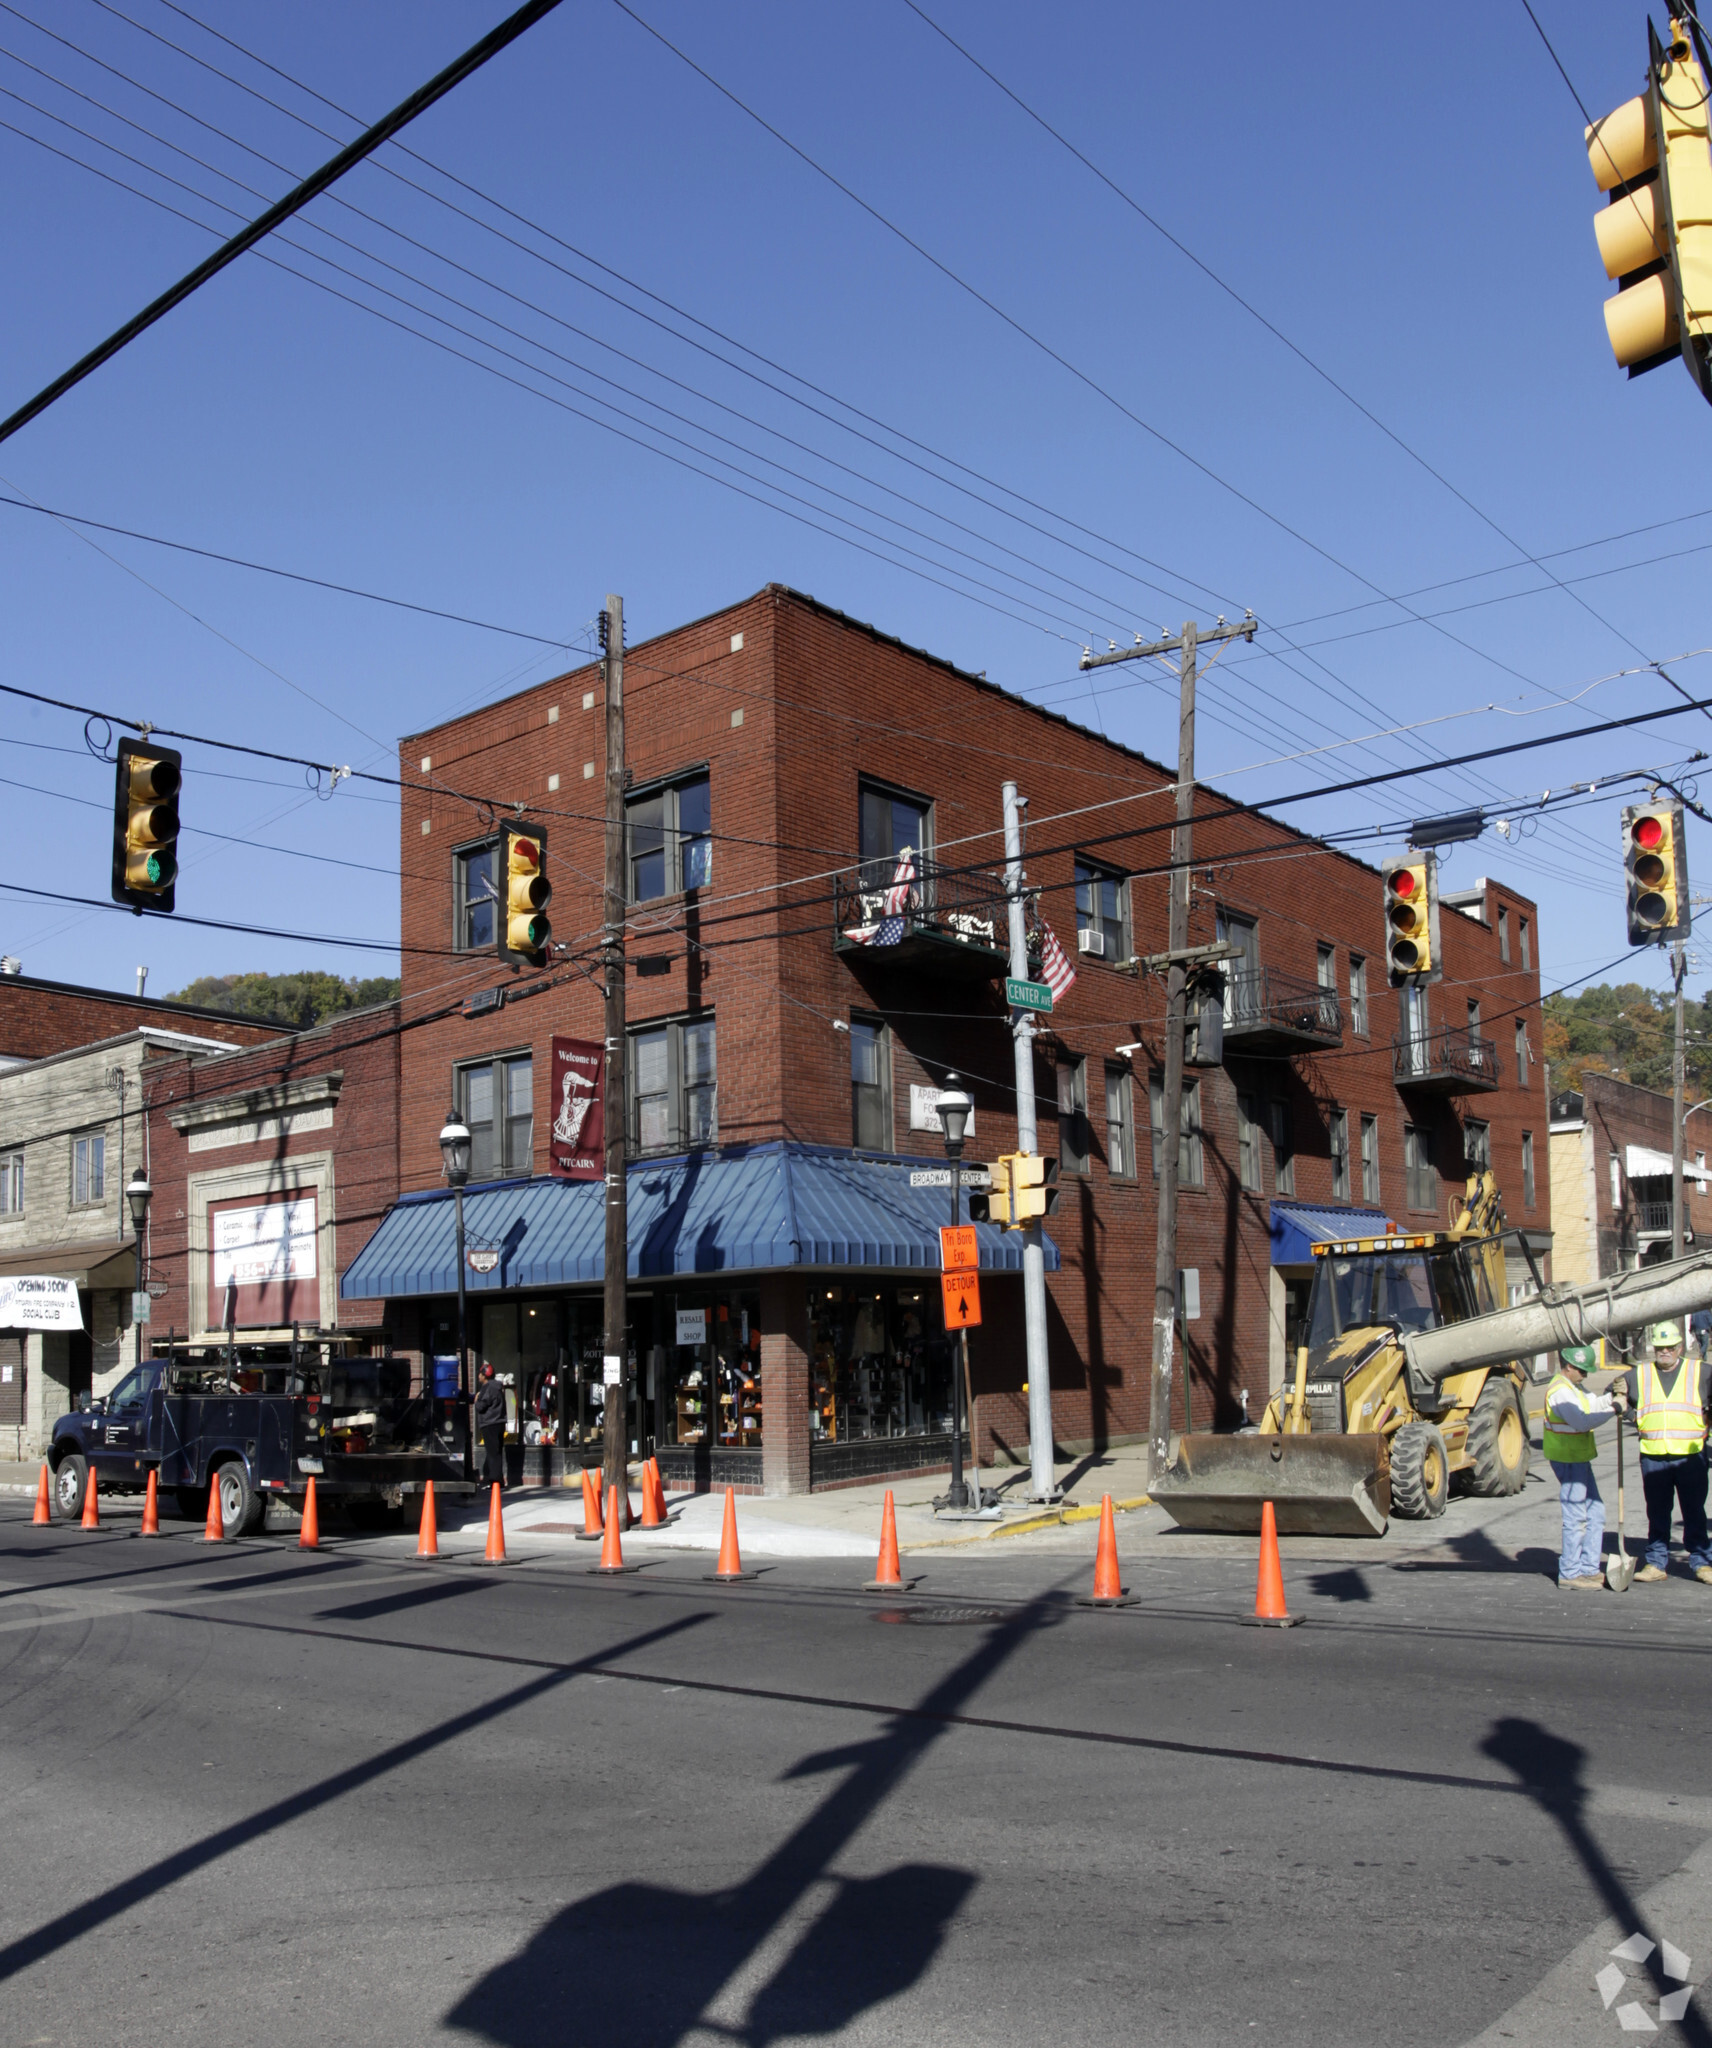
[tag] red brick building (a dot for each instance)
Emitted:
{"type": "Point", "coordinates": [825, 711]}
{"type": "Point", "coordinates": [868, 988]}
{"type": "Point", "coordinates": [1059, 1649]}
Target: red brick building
{"type": "Point", "coordinates": [780, 757]}
{"type": "Point", "coordinates": [42, 1017]}
{"type": "Point", "coordinates": [1611, 1177]}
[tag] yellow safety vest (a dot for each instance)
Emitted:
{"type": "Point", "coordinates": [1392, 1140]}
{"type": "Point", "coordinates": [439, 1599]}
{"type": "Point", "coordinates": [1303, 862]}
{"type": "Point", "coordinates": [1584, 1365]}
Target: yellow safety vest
{"type": "Point", "coordinates": [1670, 1425]}
{"type": "Point", "coordinates": [1565, 1447]}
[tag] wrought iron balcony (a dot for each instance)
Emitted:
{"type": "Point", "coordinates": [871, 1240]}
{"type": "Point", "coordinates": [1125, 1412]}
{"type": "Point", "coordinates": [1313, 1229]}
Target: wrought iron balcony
{"type": "Point", "coordinates": [1652, 1219]}
{"type": "Point", "coordinates": [1446, 1063]}
{"type": "Point", "coordinates": [952, 921]}
{"type": "Point", "coordinates": [1267, 1010]}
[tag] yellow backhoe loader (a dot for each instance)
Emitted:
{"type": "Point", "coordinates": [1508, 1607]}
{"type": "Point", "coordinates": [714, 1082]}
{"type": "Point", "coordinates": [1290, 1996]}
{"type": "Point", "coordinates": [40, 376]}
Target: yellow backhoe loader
{"type": "Point", "coordinates": [1411, 1374]}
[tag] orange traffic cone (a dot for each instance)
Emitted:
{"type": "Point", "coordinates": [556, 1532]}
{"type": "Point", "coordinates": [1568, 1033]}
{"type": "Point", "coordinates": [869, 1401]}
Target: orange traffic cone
{"type": "Point", "coordinates": [654, 1514]}
{"type": "Point", "coordinates": [611, 1545]}
{"type": "Point", "coordinates": [214, 1526]}
{"type": "Point", "coordinates": [1108, 1583]}
{"type": "Point", "coordinates": [428, 1534]}
{"type": "Point", "coordinates": [592, 1527]}
{"type": "Point", "coordinates": [309, 1536]}
{"type": "Point", "coordinates": [495, 1529]}
{"type": "Point", "coordinates": [887, 1576]}
{"type": "Point", "coordinates": [1269, 1608]}
{"type": "Point", "coordinates": [91, 1510]}
{"type": "Point", "coordinates": [151, 1507]}
{"type": "Point", "coordinates": [43, 1515]}
{"type": "Point", "coordinates": [730, 1558]}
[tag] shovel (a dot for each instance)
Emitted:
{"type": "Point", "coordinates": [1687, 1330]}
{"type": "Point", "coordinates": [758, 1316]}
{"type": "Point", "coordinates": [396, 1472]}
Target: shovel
{"type": "Point", "coordinates": [1620, 1567]}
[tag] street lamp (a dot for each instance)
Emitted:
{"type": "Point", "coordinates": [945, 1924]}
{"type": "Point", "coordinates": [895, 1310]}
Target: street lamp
{"type": "Point", "coordinates": [137, 1195]}
{"type": "Point", "coordinates": [455, 1154]}
{"type": "Point", "coordinates": [955, 1107]}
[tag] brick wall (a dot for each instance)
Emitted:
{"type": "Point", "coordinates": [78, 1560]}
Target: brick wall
{"type": "Point", "coordinates": [1619, 1114]}
{"type": "Point", "coordinates": [42, 1017]}
{"type": "Point", "coordinates": [789, 722]}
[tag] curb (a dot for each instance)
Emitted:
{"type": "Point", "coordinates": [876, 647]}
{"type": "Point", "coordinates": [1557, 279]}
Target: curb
{"type": "Point", "coordinates": [1054, 1518]}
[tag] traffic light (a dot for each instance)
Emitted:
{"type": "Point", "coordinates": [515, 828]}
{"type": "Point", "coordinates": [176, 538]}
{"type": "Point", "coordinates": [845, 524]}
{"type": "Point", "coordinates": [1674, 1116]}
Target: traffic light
{"type": "Point", "coordinates": [1655, 236]}
{"type": "Point", "coordinates": [1655, 865]}
{"type": "Point", "coordinates": [145, 825]}
{"type": "Point", "coordinates": [1034, 1188]}
{"type": "Point", "coordinates": [993, 1204]}
{"type": "Point", "coordinates": [1412, 918]}
{"type": "Point", "coordinates": [522, 932]}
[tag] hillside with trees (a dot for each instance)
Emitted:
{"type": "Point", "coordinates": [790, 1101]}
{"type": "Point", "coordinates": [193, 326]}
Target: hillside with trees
{"type": "Point", "coordinates": [299, 1000]}
{"type": "Point", "coordinates": [1625, 1030]}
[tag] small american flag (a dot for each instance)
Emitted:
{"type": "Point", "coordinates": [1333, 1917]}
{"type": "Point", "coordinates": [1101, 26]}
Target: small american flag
{"type": "Point", "coordinates": [1054, 964]}
{"type": "Point", "coordinates": [898, 895]}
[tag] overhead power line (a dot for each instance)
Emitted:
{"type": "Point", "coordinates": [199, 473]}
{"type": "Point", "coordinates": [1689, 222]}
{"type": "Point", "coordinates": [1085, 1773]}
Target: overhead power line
{"type": "Point", "coordinates": [294, 201]}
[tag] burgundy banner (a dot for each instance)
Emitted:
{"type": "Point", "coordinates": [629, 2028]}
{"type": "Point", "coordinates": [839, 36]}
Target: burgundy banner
{"type": "Point", "coordinates": [576, 1145]}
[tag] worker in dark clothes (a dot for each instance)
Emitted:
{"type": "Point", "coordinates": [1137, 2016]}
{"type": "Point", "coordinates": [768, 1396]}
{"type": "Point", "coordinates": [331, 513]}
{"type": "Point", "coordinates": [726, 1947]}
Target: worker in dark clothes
{"type": "Point", "coordinates": [490, 1428]}
{"type": "Point", "coordinates": [1669, 1393]}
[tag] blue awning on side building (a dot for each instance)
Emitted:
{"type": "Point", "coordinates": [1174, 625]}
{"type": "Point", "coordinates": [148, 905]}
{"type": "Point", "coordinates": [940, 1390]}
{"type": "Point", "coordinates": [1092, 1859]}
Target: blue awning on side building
{"type": "Point", "coordinates": [1298, 1226]}
{"type": "Point", "coordinates": [749, 1209]}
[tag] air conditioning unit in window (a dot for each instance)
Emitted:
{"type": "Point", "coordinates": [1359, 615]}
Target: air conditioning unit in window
{"type": "Point", "coordinates": [1090, 939]}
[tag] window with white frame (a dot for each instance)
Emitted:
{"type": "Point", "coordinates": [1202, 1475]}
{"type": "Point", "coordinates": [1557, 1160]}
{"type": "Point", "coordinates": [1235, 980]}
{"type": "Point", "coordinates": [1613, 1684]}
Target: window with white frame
{"type": "Point", "coordinates": [1102, 905]}
{"type": "Point", "coordinates": [1358, 995]}
{"type": "Point", "coordinates": [674, 1085]}
{"type": "Point", "coordinates": [11, 1183]}
{"type": "Point", "coordinates": [1476, 1146]}
{"type": "Point", "coordinates": [1420, 1175]}
{"type": "Point", "coordinates": [1338, 1128]}
{"type": "Point", "coordinates": [496, 1098]}
{"type": "Point", "coordinates": [1283, 1147]}
{"type": "Point", "coordinates": [1526, 938]}
{"type": "Point", "coordinates": [1325, 966]}
{"type": "Point", "coordinates": [870, 1084]}
{"type": "Point", "coordinates": [1189, 1152]}
{"type": "Point", "coordinates": [1522, 1055]}
{"type": "Point", "coordinates": [1120, 1123]}
{"type": "Point", "coordinates": [88, 1169]}
{"type": "Point", "coordinates": [1370, 1158]}
{"type": "Point", "coordinates": [1075, 1141]}
{"type": "Point", "coordinates": [891, 822]}
{"type": "Point", "coordinates": [1247, 1143]}
{"type": "Point", "coordinates": [1527, 1169]}
{"type": "Point", "coordinates": [1504, 936]}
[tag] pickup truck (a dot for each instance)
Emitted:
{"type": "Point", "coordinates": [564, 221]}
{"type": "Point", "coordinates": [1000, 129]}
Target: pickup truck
{"type": "Point", "coordinates": [257, 1421]}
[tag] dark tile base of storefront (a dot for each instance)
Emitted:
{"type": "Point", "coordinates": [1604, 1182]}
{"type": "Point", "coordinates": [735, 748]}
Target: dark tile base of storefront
{"type": "Point", "coordinates": [865, 1460]}
{"type": "Point", "coordinates": [699, 1468]}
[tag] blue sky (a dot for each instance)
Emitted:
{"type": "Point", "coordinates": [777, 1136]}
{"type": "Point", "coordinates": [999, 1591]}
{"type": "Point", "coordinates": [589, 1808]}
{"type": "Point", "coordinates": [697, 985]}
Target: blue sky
{"type": "Point", "coordinates": [1413, 209]}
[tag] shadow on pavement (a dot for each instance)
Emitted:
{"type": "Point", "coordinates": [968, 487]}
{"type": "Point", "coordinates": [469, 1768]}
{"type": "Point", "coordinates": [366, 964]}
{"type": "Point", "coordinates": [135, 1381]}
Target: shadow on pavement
{"type": "Point", "coordinates": [1349, 1584]}
{"type": "Point", "coordinates": [642, 1964]}
{"type": "Point", "coordinates": [1475, 1551]}
{"type": "Point", "coordinates": [1549, 1771]}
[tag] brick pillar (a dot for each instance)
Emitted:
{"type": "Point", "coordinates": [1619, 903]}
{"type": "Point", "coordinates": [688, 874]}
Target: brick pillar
{"type": "Point", "coordinates": [784, 1383]}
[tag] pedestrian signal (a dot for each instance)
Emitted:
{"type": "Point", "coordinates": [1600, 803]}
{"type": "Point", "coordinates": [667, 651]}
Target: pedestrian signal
{"type": "Point", "coordinates": [1655, 235]}
{"type": "Point", "coordinates": [1411, 918]}
{"type": "Point", "coordinates": [522, 931]}
{"type": "Point", "coordinates": [1034, 1187]}
{"type": "Point", "coordinates": [993, 1204]}
{"type": "Point", "coordinates": [1655, 864]}
{"type": "Point", "coordinates": [145, 825]}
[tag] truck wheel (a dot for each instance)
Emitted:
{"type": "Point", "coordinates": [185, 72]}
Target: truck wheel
{"type": "Point", "coordinates": [1498, 1445]}
{"type": "Point", "coordinates": [241, 1507]}
{"type": "Point", "coordinates": [71, 1476]}
{"type": "Point", "coordinates": [1420, 1472]}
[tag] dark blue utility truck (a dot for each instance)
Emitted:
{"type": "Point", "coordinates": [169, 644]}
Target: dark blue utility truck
{"type": "Point", "coordinates": [257, 1421]}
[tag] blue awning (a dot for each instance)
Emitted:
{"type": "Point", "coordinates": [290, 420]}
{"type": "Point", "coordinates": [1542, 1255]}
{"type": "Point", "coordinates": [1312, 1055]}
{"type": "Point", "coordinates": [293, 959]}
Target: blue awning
{"type": "Point", "coordinates": [744, 1210]}
{"type": "Point", "coordinates": [1298, 1226]}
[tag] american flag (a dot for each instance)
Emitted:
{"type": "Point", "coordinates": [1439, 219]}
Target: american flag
{"type": "Point", "coordinates": [898, 895]}
{"type": "Point", "coordinates": [888, 932]}
{"type": "Point", "coordinates": [1054, 964]}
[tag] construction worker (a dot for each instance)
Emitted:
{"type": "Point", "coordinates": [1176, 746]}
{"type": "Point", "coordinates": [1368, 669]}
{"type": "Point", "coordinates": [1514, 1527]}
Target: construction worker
{"type": "Point", "coordinates": [1573, 1413]}
{"type": "Point", "coordinates": [1669, 1392]}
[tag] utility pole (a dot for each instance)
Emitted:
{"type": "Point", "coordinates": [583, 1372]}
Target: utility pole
{"type": "Point", "coordinates": [1041, 1486]}
{"type": "Point", "coordinates": [1184, 645]}
{"type": "Point", "coordinates": [615, 1414]}
{"type": "Point", "coordinates": [1678, 1061]}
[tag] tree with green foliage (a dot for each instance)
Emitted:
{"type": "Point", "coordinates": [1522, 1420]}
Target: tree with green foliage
{"type": "Point", "coordinates": [299, 1000]}
{"type": "Point", "coordinates": [1628, 1031]}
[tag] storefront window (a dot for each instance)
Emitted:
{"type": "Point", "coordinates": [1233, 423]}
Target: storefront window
{"type": "Point", "coordinates": [521, 1341]}
{"type": "Point", "coordinates": [879, 1363]}
{"type": "Point", "coordinates": [710, 1394]}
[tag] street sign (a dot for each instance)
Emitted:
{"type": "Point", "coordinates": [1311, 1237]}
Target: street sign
{"type": "Point", "coordinates": [1029, 995]}
{"type": "Point", "coordinates": [959, 1249]}
{"type": "Point", "coordinates": [940, 1177]}
{"type": "Point", "coordinates": [962, 1291]}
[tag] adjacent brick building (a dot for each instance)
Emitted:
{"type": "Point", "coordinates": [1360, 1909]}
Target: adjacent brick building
{"type": "Point", "coordinates": [780, 758]}
{"type": "Point", "coordinates": [40, 1017]}
{"type": "Point", "coordinates": [1611, 1177]}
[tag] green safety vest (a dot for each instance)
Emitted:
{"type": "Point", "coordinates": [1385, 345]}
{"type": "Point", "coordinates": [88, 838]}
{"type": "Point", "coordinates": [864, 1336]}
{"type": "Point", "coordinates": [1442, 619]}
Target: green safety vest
{"type": "Point", "coordinates": [1564, 1447]}
{"type": "Point", "coordinates": [1670, 1425]}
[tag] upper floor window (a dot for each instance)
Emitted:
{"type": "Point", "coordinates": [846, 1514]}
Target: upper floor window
{"type": "Point", "coordinates": [1242, 974]}
{"type": "Point", "coordinates": [890, 822]}
{"type": "Point", "coordinates": [1527, 942]}
{"type": "Point", "coordinates": [11, 1183]}
{"type": "Point", "coordinates": [870, 1085]}
{"type": "Point", "coordinates": [670, 831]}
{"type": "Point", "coordinates": [673, 1085]}
{"type": "Point", "coordinates": [1102, 912]}
{"type": "Point", "coordinates": [1189, 1155]}
{"type": "Point", "coordinates": [1358, 995]}
{"type": "Point", "coordinates": [1120, 1124]}
{"type": "Point", "coordinates": [1504, 937]}
{"type": "Point", "coordinates": [475, 895]}
{"type": "Point", "coordinates": [1522, 1054]}
{"type": "Point", "coordinates": [1420, 1175]}
{"type": "Point", "coordinates": [1527, 1169]}
{"type": "Point", "coordinates": [1476, 1146]}
{"type": "Point", "coordinates": [1247, 1143]}
{"type": "Point", "coordinates": [1337, 1125]}
{"type": "Point", "coordinates": [496, 1099]}
{"type": "Point", "coordinates": [88, 1169]}
{"type": "Point", "coordinates": [1283, 1147]}
{"type": "Point", "coordinates": [1370, 1159]}
{"type": "Point", "coordinates": [1325, 966]}
{"type": "Point", "coordinates": [1074, 1140]}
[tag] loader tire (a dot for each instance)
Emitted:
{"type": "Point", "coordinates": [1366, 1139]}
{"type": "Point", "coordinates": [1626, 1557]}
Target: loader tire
{"type": "Point", "coordinates": [1420, 1472]}
{"type": "Point", "coordinates": [1498, 1446]}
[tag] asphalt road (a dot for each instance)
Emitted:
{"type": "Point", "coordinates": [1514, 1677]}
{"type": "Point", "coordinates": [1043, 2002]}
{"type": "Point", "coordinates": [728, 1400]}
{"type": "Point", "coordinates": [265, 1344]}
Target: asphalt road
{"type": "Point", "coordinates": [349, 1798]}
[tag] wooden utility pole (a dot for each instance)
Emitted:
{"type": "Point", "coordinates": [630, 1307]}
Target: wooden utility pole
{"type": "Point", "coordinates": [1184, 645]}
{"type": "Point", "coordinates": [616, 1344]}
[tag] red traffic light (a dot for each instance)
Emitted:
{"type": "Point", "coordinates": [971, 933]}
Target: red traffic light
{"type": "Point", "coordinates": [1648, 831]}
{"type": "Point", "coordinates": [1401, 882]}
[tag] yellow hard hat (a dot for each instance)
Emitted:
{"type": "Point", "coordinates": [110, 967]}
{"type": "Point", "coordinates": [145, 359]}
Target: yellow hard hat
{"type": "Point", "coordinates": [1662, 1334]}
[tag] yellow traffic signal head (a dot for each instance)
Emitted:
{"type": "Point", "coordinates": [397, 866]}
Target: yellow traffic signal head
{"type": "Point", "coordinates": [1034, 1188]}
{"type": "Point", "coordinates": [994, 1206]}
{"type": "Point", "coordinates": [1411, 918]}
{"type": "Point", "coordinates": [1655, 873]}
{"type": "Point", "coordinates": [145, 825]}
{"type": "Point", "coordinates": [524, 933]}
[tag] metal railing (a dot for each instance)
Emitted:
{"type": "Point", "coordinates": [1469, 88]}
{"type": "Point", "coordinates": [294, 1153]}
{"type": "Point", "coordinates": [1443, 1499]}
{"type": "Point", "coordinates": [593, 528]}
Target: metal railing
{"type": "Point", "coordinates": [953, 903]}
{"type": "Point", "coordinates": [1652, 1218]}
{"type": "Point", "coordinates": [1445, 1055]}
{"type": "Point", "coordinates": [1268, 999]}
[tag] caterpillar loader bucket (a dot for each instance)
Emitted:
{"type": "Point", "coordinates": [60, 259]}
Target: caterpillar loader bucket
{"type": "Point", "coordinates": [1319, 1485]}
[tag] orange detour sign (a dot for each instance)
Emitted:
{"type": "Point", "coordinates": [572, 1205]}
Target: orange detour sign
{"type": "Point", "coordinates": [959, 1252]}
{"type": "Point", "coordinates": [962, 1292]}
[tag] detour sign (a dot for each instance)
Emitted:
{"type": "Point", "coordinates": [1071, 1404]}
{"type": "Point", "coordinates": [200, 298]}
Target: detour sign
{"type": "Point", "coordinates": [962, 1290]}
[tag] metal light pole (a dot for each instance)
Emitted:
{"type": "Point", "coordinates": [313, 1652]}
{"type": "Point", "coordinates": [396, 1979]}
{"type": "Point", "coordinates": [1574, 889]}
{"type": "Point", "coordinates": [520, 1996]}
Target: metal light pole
{"type": "Point", "coordinates": [137, 1195]}
{"type": "Point", "coordinates": [955, 1107]}
{"type": "Point", "coordinates": [455, 1152]}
